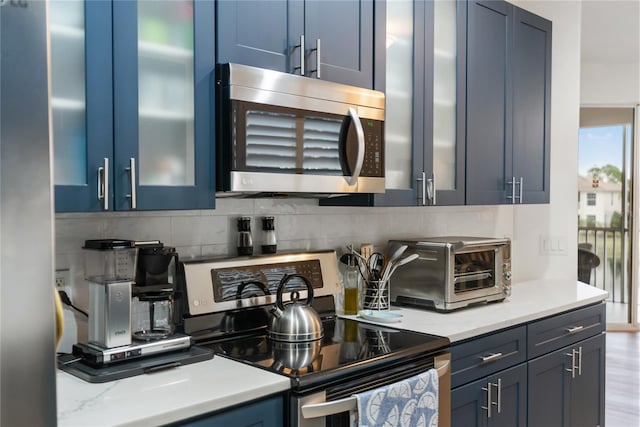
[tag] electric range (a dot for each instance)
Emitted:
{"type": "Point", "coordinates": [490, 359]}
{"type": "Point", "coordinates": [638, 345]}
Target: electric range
{"type": "Point", "coordinates": [224, 315]}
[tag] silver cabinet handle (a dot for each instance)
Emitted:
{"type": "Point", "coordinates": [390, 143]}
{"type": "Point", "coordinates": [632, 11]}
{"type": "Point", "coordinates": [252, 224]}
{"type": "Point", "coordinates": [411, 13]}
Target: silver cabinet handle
{"type": "Point", "coordinates": [103, 184]}
{"type": "Point", "coordinates": [132, 176]}
{"type": "Point", "coordinates": [423, 184]}
{"type": "Point", "coordinates": [301, 46]}
{"type": "Point", "coordinates": [521, 185]}
{"type": "Point", "coordinates": [573, 362]}
{"type": "Point", "coordinates": [491, 357]}
{"type": "Point", "coordinates": [317, 50]}
{"type": "Point", "coordinates": [488, 407]}
{"type": "Point", "coordinates": [490, 402]}
{"type": "Point", "coordinates": [580, 361]}
{"type": "Point", "coordinates": [512, 183]}
{"type": "Point", "coordinates": [431, 188]}
{"type": "Point", "coordinates": [574, 329]}
{"type": "Point", "coordinates": [353, 180]}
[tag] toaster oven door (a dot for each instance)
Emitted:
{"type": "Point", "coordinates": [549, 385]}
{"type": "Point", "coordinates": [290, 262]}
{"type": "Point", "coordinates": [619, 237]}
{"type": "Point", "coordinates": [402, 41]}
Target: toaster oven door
{"type": "Point", "coordinates": [475, 274]}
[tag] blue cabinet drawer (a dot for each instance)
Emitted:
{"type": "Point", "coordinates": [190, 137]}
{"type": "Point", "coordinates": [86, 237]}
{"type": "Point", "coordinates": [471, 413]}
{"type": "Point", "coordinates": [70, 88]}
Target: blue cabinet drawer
{"type": "Point", "coordinates": [484, 356]}
{"type": "Point", "coordinates": [547, 335]}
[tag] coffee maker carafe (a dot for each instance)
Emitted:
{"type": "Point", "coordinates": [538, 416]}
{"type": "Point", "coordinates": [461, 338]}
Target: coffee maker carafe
{"type": "Point", "coordinates": [154, 291]}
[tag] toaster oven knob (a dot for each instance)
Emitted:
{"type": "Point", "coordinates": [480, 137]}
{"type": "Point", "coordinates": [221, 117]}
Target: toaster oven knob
{"type": "Point", "coordinates": [507, 275]}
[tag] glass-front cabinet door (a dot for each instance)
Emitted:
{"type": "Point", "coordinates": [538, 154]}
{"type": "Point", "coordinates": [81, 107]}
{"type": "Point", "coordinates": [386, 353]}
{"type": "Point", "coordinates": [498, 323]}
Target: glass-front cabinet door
{"type": "Point", "coordinates": [446, 180]}
{"type": "Point", "coordinates": [81, 102]}
{"type": "Point", "coordinates": [163, 60]}
{"type": "Point", "coordinates": [132, 104]}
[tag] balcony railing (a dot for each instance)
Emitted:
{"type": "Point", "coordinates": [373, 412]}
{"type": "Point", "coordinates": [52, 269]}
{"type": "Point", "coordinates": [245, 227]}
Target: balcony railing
{"type": "Point", "coordinates": [612, 247]}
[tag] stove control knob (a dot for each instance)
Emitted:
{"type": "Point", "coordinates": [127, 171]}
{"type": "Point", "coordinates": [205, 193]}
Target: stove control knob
{"type": "Point", "coordinates": [507, 275]}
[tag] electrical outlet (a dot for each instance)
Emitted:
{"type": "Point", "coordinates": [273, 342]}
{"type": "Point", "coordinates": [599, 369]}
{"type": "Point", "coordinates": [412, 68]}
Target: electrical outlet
{"type": "Point", "coordinates": [63, 281]}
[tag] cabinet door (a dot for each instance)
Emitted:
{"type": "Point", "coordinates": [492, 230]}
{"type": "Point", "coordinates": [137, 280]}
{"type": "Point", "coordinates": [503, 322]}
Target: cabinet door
{"type": "Point", "coordinates": [445, 127]}
{"type": "Point", "coordinates": [489, 152]}
{"type": "Point", "coordinates": [531, 104]}
{"type": "Point", "coordinates": [508, 400]}
{"type": "Point", "coordinates": [548, 389]}
{"type": "Point", "coordinates": [260, 33]}
{"type": "Point", "coordinates": [82, 103]}
{"type": "Point", "coordinates": [587, 388]}
{"type": "Point", "coordinates": [467, 404]}
{"type": "Point", "coordinates": [345, 30]}
{"type": "Point", "coordinates": [265, 413]}
{"type": "Point", "coordinates": [163, 66]}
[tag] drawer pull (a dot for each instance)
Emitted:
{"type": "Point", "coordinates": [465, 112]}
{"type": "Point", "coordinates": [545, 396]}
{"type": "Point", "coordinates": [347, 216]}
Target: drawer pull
{"type": "Point", "coordinates": [574, 329]}
{"type": "Point", "coordinates": [491, 357]}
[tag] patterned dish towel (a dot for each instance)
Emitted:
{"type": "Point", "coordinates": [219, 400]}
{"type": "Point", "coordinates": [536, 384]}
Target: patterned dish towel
{"type": "Point", "coordinates": [408, 403]}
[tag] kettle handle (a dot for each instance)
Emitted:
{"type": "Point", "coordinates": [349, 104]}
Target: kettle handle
{"type": "Point", "coordinates": [285, 279]}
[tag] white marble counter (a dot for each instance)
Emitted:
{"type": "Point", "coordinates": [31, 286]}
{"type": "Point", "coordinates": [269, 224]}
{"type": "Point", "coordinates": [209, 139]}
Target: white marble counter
{"type": "Point", "coordinates": [165, 396]}
{"type": "Point", "coordinates": [528, 301]}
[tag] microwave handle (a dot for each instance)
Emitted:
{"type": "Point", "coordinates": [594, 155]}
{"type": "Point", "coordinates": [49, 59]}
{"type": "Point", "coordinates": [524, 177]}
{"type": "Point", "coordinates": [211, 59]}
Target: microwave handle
{"type": "Point", "coordinates": [325, 409]}
{"type": "Point", "coordinates": [353, 179]}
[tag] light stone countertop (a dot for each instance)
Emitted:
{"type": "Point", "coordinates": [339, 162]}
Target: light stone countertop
{"type": "Point", "coordinates": [204, 387]}
{"type": "Point", "coordinates": [163, 397]}
{"type": "Point", "coordinates": [528, 301]}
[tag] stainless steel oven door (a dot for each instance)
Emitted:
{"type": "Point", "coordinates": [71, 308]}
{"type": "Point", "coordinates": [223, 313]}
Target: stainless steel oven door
{"type": "Point", "coordinates": [315, 411]}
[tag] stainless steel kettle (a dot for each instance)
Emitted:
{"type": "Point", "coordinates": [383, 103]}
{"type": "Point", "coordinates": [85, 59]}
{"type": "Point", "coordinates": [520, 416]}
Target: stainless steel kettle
{"type": "Point", "coordinates": [295, 322]}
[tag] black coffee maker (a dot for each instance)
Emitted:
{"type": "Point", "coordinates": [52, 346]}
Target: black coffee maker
{"type": "Point", "coordinates": [154, 292]}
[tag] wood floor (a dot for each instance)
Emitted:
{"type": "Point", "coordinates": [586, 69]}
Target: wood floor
{"type": "Point", "coordinates": [622, 395]}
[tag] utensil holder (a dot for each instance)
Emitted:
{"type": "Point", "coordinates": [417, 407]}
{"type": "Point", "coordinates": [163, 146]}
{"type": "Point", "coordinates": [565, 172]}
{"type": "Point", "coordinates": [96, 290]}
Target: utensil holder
{"type": "Point", "coordinates": [376, 296]}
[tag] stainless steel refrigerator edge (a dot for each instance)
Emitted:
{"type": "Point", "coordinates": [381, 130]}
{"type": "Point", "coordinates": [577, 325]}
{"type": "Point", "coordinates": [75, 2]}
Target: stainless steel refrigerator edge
{"type": "Point", "coordinates": [27, 336]}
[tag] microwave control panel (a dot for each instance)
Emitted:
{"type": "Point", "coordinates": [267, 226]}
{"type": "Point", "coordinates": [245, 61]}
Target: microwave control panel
{"type": "Point", "coordinates": [373, 154]}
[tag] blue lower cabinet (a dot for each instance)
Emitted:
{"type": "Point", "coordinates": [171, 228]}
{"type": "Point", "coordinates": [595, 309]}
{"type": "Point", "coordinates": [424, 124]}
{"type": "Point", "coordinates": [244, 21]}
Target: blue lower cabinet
{"type": "Point", "coordinates": [264, 413]}
{"type": "Point", "coordinates": [495, 400]}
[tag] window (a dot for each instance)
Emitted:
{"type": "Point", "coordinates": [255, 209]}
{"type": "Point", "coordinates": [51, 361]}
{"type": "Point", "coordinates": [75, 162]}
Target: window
{"type": "Point", "coordinates": [591, 199]}
{"type": "Point", "coordinates": [591, 220]}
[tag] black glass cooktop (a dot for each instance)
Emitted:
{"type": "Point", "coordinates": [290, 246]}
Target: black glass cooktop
{"type": "Point", "coordinates": [348, 347]}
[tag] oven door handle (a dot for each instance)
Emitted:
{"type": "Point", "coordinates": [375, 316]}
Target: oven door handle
{"type": "Point", "coordinates": [318, 410]}
{"type": "Point", "coordinates": [348, 404]}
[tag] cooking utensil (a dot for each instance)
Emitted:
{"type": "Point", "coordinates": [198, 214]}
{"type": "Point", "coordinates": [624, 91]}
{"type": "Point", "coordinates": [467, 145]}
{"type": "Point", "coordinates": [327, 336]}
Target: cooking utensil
{"type": "Point", "coordinates": [295, 322]}
{"type": "Point", "coordinates": [400, 263]}
{"type": "Point", "coordinates": [394, 255]}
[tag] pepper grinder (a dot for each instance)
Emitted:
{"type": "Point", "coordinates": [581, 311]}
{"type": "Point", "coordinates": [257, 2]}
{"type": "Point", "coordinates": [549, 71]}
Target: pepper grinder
{"type": "Point", "coordinates": [269, 245]}
{"type": "Point", "coordinates": [245, 240]}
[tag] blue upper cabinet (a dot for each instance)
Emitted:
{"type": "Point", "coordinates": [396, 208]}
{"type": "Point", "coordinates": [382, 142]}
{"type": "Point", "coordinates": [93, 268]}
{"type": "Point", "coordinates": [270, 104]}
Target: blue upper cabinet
{"type": "Point", "coordinates": [147, 140]}
{"type": "Point", "coordinates": [285, 35]}
{"type": "Point", "coordinates": [508, 102]}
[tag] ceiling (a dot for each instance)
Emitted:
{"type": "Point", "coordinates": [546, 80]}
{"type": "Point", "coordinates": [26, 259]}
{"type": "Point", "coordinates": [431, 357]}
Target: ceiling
{"type": "Point", "coordinates": [611, 31]}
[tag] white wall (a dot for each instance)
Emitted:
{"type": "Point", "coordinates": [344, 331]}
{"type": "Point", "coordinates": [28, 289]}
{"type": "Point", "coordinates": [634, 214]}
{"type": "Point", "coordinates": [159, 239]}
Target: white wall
{"type": "Point", "coordinates": [609, 84]}
{"type": "Point", "coordinates": [301, 224]}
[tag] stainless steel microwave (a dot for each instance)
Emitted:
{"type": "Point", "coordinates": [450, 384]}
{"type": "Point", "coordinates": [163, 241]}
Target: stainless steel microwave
{"type": "Point", "coordinates": [453, 272]}
{"type": "Point", "coordinates": [283, 133]}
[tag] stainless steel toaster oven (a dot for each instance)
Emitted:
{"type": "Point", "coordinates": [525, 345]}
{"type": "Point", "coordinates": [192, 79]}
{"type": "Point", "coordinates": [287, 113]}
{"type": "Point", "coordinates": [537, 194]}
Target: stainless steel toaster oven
{"type": "Point", "coordinates": [453, 272]}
